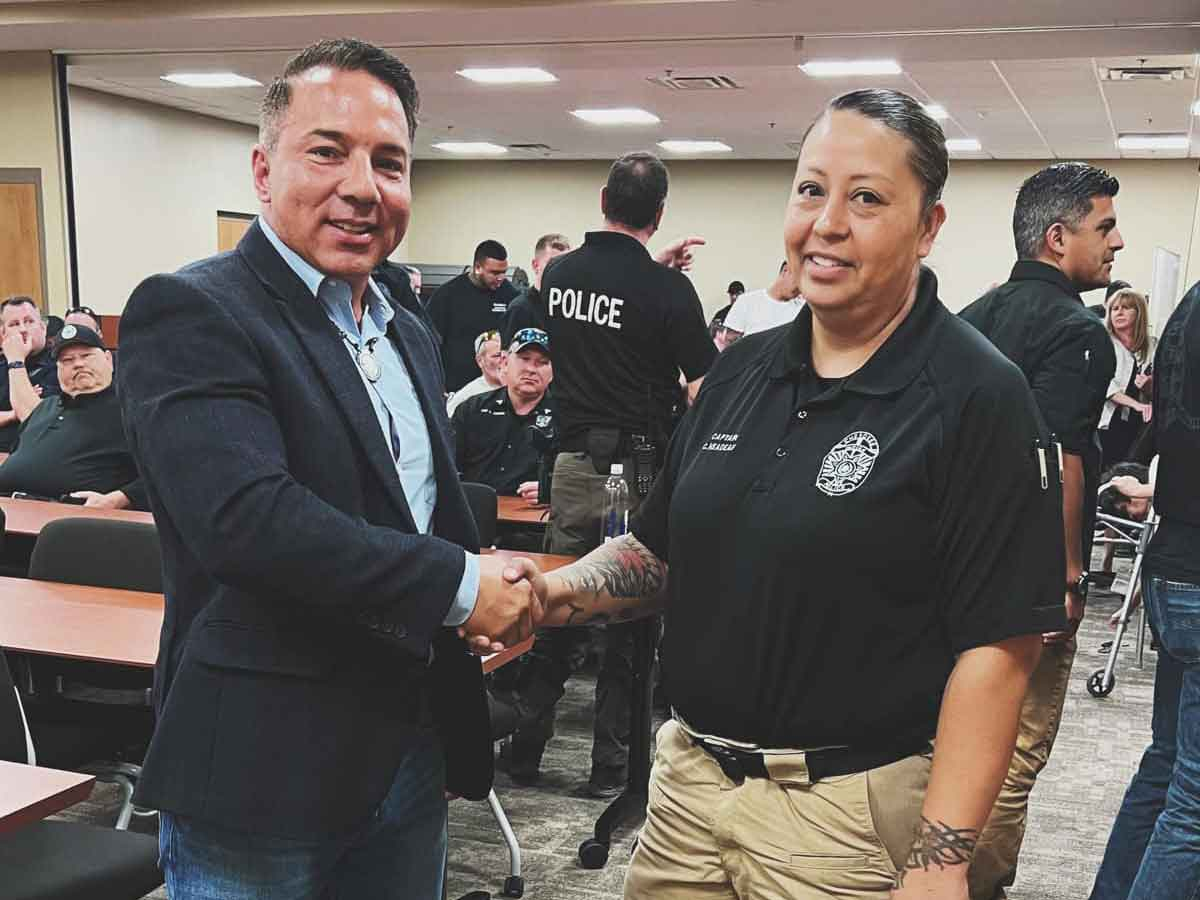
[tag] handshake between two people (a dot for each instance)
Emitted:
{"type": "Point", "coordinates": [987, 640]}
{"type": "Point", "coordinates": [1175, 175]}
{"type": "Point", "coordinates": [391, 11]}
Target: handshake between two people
{"type": "Point", "coordinates": [511, 604]}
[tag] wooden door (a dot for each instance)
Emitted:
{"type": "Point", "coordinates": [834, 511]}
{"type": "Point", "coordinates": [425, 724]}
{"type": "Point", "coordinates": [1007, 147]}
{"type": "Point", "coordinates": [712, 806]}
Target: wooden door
{"type": "Point", "coordinates": [21, 243]}
{"type": "Point", "coordinates": [230, 228]}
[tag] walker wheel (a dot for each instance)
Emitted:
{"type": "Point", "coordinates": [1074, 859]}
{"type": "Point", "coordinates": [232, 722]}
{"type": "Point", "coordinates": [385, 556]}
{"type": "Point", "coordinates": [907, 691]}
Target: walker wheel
{"type": "Point", "coordinates": [514, 886]}
{"type": "Point", "coordinates": [1096, 686]}
{"type": "Point", "coordinates": [593, 854]}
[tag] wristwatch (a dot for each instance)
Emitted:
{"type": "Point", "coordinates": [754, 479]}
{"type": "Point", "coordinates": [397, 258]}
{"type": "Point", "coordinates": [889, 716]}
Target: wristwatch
{"type": "Point", "coordinates": [16, 364]}
{"type": "Point", "coordinates": [1078, 587]}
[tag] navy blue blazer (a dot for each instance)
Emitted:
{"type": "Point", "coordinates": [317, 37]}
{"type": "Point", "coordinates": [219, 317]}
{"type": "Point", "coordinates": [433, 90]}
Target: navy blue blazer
{"type": "Point", "coordinates": [301, 603]}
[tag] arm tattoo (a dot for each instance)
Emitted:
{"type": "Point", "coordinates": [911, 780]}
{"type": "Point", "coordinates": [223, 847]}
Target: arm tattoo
{"type": "Point", "coordinates": [937, 844]}
{"type": "Point", "coordinates": [624, 569]}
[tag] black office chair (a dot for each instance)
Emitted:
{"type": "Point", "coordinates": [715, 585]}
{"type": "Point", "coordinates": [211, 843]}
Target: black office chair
{"type": "Point", "coordinates": [56, 860]}
{"type": "Point", "coordinates": [94, 717]}
{"type": "Point", "coordinates": [482, 500]}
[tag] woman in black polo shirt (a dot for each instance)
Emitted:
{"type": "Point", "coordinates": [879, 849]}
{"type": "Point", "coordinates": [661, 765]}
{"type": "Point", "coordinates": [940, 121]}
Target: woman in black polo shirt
{"type": "Point", "coordinates": [864, 541]}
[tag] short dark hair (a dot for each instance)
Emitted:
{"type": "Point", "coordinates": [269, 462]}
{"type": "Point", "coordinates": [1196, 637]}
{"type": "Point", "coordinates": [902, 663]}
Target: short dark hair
{"type": "Point", "coordinates": [1114, 286]}
{"type": "Point", "coordinates": [735, 287]}
{"type": "Point", "coordinates": [18, 300]}
{"type": "Point", "coordinates": [636, 190]}
{"type": "Point", "coordinates": [348, 55]}
{"type": "Point", "coordinates": [927, 156]}
{"type": "Point", "coordinates": [1111, 501]}
{"type": "Point", "coordinates": [489, 250]}
{"type": "Point", "coordinates": [1062, 193]}
{"type": "Point", "coordinates": [553, 240]}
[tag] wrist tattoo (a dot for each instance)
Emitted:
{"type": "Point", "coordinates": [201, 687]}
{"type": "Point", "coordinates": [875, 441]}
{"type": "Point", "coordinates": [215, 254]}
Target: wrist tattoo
{"type": "Point", "coordinates": [624, 569]}
{"type": "Point", "coordinates": [937, 845]}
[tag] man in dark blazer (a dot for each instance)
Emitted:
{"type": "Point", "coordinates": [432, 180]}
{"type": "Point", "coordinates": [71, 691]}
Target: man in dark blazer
{"type": "Point", "coordinates": [315, 703]}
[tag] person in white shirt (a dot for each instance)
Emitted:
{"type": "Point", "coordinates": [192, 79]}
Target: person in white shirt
{"type": "Point", "coordinates": [490, 357]}
{"type": "Point", "coordinates": [763, 309]}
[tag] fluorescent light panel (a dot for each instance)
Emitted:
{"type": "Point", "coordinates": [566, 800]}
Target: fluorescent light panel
{"type": "Point", "coordinates": [210, 79]}
{"type": "Point", "coordinates": [936, 111]}
{"type": "Point", "coordinates": [1153, 142]}
{"type": "Point", "coordinates": [963, 145]}
{"type": "Point", "coordinates": [510, 75]}
{"type": "Point", "coordinates": [620, 116]}
{"type": "Point", "coordinates": [845, 68]}
{"type": "Point", "coordinates": [695, 146]}
{"type": "Point", "coordinates": [471, 148]}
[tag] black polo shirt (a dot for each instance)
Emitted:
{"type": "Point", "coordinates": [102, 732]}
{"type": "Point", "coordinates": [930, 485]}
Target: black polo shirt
{"type": "Point", "coordinates": [461, 312]}
{"type": "Point", "coordinates": [43, 372]}
{"type": "Point", "coordinates": [73, 444]}
{"type": "Point", "coordinates": [1038, 320]}
{"type": "Point", "coordinates": [527, 310]}
{"type": "Point", "coordinates": [834, 545]}
{"type": "Point", "coordinates": [492, 444]}
{"type": "Point", "coordinates": [1174, 551]}
{"type": "Point", "coordinates": [622, 327]}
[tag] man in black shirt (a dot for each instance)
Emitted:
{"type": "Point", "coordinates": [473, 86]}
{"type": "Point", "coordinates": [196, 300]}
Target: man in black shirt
{"type": "Point", "coordinates": [29, 372]}
{"type": "Point", "coordinates": [492, 441]}
{"type": "Point", "coordinates": [528, 309]}
{"type": "Point", "coordinates": [468, 305]}
{"type": "Point", "coordinates": [1151, 852]}
{"type": "Point", "coordinates": [735, 290]}
{"type": "Point", "coordinates": [73, 442]}
{"type": "Point", "coordinates": [1066, 236]}
{"type": "Point", "coordinates": [623, 327]}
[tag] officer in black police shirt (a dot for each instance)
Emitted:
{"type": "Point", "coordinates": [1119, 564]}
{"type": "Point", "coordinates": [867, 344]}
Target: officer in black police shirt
{"type": "Point", "coordinates": [623, 326]}
{"type": "Point", "coordinates": [29, 372]}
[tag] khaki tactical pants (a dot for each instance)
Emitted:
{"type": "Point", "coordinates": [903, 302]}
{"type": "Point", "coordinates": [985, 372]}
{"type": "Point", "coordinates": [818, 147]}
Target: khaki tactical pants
{"type": "Point", "coordinates": [994, 866]}
{"type": "Point", "coordinates": [783, 838]}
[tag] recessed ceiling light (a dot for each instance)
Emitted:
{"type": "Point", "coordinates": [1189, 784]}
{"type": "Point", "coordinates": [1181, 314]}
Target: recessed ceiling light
{"type": "Point", "coordinates": [695, 146]}
{"type": "Point", "coordinates": [1153, 142]}
{"type": "Point", "coordinates": [844, 68]}
{"type": "Point", "coordinates": [936, 111]}
{"type": "Point", "coordinates": [211, 79]}
{"type": "Point", "coordinates": [963, 145]}
{"type": "Point", "coordinates": [512, 75]}
{"type": "Point", "coordinates": [471, 148]}
{"type": "Point", "coordinates": [619, 116]}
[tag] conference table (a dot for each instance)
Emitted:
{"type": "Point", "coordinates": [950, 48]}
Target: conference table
{"type": "Point", "coordinates": [30, 793]}
{"type": "Point", "coordinates": [518, 511]}
{"type": "Point", "coordinates": [29, 517]}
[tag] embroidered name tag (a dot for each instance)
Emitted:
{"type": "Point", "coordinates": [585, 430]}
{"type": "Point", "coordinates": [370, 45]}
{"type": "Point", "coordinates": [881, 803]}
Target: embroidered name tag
{"type": "Point", "coordinates": [720, 442]}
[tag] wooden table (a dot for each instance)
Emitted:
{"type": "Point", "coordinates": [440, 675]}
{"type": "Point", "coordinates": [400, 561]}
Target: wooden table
{"type": "Point", "coordinates": [115, 626]}
{"type": "Point", "coordinates": [516, 511]}
{"type": "Point", "coordinates": [30, 793]}
{"type": "Point", "coordinates": [29, 517]}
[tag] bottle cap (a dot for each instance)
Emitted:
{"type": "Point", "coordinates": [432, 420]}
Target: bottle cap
{"type": "Point", "coordinates": [616, 469]}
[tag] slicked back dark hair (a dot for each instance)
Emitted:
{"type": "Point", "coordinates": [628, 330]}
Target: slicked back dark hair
{"type": "Point", "coordinates": [898, 111]}
{"type": "Point", "coordinates": [636, 190]}
{"type": "Point", "coordinates": [348, 55]}
{"type": "Point", "coordinates": [1062, 193]}
{"type": "Point", "coordinates": [489, 250]}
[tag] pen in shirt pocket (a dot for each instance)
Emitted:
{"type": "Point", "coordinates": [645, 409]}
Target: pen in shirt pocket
{"type": "Point", "coordinates": [1040, 452]}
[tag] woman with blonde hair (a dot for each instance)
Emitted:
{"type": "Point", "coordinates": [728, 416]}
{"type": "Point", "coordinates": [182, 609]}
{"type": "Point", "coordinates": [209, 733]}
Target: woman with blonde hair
{"type": "Point", "coordinates": [1124, 413]}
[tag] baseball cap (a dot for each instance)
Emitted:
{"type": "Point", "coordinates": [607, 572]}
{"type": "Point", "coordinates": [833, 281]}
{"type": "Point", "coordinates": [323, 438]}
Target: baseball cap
{"type": "Point", "coordinates": [76, 334]}
{"type": "Point", "coordinates": [530, 337]}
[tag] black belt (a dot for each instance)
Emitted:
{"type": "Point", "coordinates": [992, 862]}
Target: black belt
{"type": "Point", "coordinates": [741, 764]}
{"type": "Point", "coordinates": [578, 443]}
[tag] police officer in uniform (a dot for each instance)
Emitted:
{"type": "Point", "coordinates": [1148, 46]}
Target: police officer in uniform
{"type": "Point", "coordinates": [623, 327]}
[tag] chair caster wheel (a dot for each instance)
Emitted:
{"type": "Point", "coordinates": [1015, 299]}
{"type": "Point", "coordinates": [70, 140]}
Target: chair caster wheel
{"type": "Point", "coordinates": [514, 886]}
{"type": "Point", "coordinates": [476, 895]}
{"type": "Point", "coordinates": [1096, 686]}
{"type": "Point", "coordinates": [593, 854]}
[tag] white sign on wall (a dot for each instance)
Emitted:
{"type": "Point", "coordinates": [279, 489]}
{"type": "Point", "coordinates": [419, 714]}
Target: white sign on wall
{"type": "Point", "coordinates": [1164, 290]}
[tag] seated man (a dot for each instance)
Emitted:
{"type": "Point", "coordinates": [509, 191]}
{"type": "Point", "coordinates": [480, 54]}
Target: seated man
{"type": "Point", "coordinates": [492, 440]}
{"type": "Point", "coordinates": [73, 442]}
{"type": "Point", "coordinates": [85, 316]}
{"type": "Point", "coordinates": [29, 373]}
{"type": "Point", "coordinates": [489, 356]}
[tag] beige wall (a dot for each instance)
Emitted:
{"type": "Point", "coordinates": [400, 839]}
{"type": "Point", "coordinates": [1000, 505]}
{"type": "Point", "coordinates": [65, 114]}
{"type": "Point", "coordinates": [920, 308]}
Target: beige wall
{"type": "Point", "coordinates": [148, 183]}
{"type": "Point", "coordinates": [30, 140]}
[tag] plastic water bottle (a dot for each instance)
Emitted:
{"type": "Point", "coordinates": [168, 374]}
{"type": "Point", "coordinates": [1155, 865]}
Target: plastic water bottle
{"type": "Point", "coordinates": [615, 520]}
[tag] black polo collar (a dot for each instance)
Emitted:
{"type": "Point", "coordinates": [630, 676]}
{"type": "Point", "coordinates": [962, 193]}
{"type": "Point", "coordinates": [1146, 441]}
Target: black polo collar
{"type": "Point", "coordinates": [894, 365]}
{"type": "Point", "coordinates": [614, 239]}
{"type": "Point", "coordinates": [80, 400]}
{"type": "Point", "coordinates": [1035, 270]}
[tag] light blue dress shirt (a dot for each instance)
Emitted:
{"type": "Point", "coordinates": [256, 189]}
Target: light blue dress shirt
{"type": "Point", "coordinates": [394, 398]}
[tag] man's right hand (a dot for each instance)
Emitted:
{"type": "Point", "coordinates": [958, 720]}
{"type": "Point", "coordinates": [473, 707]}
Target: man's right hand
{"type": "Point", "coordinates": [507, 610]}
{"type": "Point", "coordinates": [16, 346]}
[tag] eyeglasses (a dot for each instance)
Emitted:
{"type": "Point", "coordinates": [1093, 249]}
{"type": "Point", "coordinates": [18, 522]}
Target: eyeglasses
{"type": "Point", "coordinates": [86, 310]}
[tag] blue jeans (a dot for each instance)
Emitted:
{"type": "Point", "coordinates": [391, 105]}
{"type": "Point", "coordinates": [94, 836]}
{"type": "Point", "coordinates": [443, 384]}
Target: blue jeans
{"type": "Point", "coordinates": [1154, 848]}
{"type": "Point", "coordinates": [400, 852]}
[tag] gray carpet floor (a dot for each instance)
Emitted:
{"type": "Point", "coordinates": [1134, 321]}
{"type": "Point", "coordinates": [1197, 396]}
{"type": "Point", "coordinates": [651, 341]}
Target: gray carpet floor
{"type": "Point", "coordinates": [1072, 808]}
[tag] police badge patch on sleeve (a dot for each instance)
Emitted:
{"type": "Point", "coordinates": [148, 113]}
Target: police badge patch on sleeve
{"type": "Point", "coordinates": [848, 464]}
